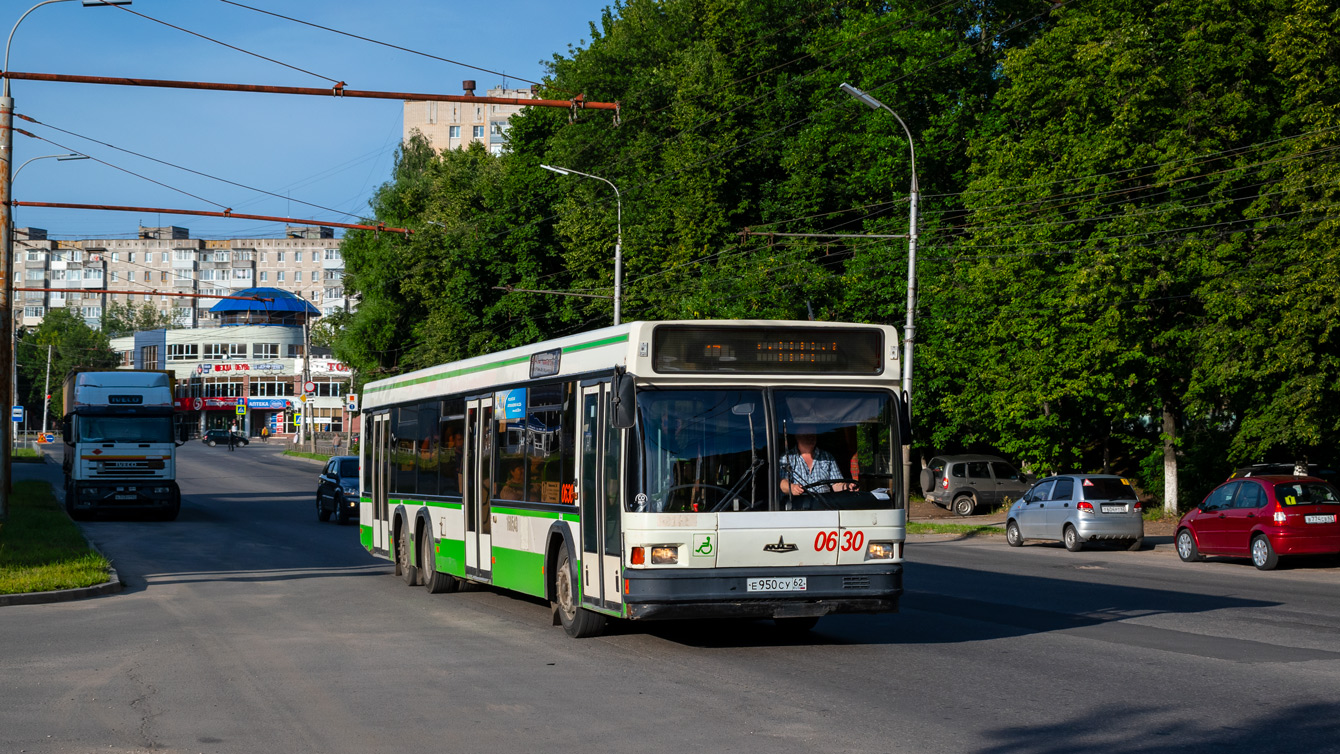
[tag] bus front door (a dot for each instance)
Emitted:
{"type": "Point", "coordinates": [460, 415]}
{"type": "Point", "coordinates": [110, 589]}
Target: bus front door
{"type": "Point", "coordinates": [599, 497]}
{"type": "Point", "coordinates": [379, 470]}
{"type": "Point", "coordinates": [478, 489]}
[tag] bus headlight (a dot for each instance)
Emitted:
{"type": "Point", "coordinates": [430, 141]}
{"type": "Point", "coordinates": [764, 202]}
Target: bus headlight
{"type": "Point", "coordinates": [881, 551]}
{"type": "Point", "coordinates": [665, 555]}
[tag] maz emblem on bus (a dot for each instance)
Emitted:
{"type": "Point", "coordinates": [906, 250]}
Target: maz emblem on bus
{"type": "Point", "coordinates": [781, 546]}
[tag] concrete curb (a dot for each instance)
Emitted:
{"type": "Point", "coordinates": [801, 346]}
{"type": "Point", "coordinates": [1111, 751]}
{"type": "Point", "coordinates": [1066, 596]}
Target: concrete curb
{"type": "Point", "coordinates": [317, 461]}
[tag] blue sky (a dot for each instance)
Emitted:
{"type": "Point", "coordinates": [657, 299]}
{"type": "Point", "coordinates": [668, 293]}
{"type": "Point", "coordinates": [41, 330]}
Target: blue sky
{"type": "Point", "coordinates": [326, 151]}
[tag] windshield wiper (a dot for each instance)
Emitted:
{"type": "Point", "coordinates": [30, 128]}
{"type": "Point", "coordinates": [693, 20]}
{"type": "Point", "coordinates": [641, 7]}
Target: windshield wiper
{"type": "Point", "coordinates": [738, 487]}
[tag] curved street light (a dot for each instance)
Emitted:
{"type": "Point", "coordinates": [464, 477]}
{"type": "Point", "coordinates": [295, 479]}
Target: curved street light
{"type": "Point", "coordinates": [618, 241]}
{"type": "Point", "coordinates": [909, 327]}
{"type": "Point", "coordinates": [7, 248]}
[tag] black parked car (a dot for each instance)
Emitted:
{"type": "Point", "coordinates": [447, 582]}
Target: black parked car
{"type": "Point", "coordinates": [337, 489]}
{"type": "Point", "coordinates": [220, 437]}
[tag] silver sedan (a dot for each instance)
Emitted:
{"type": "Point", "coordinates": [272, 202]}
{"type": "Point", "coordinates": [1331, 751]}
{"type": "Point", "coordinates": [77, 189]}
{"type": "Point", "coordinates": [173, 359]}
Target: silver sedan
{"type": "Point", "coordinates": [1078, 508]}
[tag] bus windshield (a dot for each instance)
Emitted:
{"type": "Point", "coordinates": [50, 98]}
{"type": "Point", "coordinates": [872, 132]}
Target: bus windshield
{"type": "Point", "coordinates": [124, 428]}
{"type": "Point", "coordinates": [708, 451]}
{"type": "Point", "coordinates": [835, 449]}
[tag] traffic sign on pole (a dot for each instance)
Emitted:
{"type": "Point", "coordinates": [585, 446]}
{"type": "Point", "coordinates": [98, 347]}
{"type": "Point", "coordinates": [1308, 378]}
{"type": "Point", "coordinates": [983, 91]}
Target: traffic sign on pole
{"type": "Point", "coordinates": [16, 414]}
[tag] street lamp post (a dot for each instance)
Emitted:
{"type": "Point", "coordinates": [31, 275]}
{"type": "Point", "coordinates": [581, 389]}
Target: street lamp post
{"type": "Point", "coordinates": [14, 372]}
{"type": "Point", "coordinates": [7, 248]}
{"type": "Point", "coordinates": [910, 326]}
{"type": "Point", "coordinates": [618, 241]}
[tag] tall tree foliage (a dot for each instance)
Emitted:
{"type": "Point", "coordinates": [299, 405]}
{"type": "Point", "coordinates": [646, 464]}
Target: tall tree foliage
{"type": "Point", "coordinates": [1128, 261]}
{"type": "Point", "coordinates": [1104, 218]}
{"type": "Point", "coordinates": [73, 344]}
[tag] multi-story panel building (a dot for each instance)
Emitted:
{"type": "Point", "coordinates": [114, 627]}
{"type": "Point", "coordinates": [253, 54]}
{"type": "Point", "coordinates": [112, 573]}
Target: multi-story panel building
{"type": "Point", "coordinates": [96, 273]}
{"type": "Point", "coordinates": [455, 125]}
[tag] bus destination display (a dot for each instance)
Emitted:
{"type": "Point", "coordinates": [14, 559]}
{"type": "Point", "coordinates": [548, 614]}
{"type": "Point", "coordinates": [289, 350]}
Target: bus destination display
{"type": "Point", "coordinates": [680, 348]}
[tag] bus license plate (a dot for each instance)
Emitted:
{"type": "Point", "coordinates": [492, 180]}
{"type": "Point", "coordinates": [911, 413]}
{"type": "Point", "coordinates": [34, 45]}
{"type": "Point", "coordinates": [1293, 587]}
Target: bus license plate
{"type": "Point", "coordinates": [1327, 519]}
{"type": "Point", "coordinates": [1114, 509]}
{"type": "Point", "coordinates": [793, 584]}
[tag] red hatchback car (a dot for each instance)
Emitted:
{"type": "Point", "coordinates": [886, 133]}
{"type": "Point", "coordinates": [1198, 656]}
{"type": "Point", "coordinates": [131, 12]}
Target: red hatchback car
{"type": "Point", "coordinates": [1263, 517]}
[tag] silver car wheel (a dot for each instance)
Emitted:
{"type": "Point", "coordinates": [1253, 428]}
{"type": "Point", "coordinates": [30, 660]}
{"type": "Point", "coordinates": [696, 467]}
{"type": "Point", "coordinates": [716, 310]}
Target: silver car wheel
{"type": "Point", "coordinates": [1013, 537]}
{"type": "Point", "coordinates": [1071, 539]}
{"type": "Point", "coordinates": [1263, 555]}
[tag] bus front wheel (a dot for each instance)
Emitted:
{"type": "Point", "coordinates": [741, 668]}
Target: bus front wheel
{"type": "Point", "coordinates": [577, 621]}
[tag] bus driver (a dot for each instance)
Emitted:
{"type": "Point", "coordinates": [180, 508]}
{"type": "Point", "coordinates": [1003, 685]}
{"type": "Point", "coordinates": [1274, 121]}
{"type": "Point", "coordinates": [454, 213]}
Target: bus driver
{"type": "Point", "coordinates": [807, 465]}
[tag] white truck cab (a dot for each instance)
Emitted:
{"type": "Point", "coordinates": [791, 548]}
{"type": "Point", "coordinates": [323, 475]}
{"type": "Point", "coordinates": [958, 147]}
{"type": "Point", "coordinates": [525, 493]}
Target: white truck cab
{"type": "Point", "coordinates": [120, 443]}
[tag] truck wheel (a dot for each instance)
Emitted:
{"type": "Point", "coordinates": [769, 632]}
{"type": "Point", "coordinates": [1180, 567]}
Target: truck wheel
{"type": "Point", "coordinates": [170, 513]}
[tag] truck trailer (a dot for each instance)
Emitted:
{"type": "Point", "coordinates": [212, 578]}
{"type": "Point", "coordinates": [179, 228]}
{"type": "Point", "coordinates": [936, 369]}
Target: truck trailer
{"type": "Point", "coordinates": [120, 443]}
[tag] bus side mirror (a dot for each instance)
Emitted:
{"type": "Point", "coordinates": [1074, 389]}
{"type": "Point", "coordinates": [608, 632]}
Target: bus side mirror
{"type": "Point", "coordinates": [623, 400]}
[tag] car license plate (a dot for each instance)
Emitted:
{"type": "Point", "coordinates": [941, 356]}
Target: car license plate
{"type": "Point", "coordinates": [126, 497]}
{"type": "Point", "coordinates": [1327, 519]}
{"type": "Point", "coordinates": [793, 584]}
{"type": "Point", "coordinates": [1114, 509]}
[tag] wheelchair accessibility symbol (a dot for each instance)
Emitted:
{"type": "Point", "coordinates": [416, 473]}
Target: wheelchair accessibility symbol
{"type": "Point", "coordinates": [702, 545]}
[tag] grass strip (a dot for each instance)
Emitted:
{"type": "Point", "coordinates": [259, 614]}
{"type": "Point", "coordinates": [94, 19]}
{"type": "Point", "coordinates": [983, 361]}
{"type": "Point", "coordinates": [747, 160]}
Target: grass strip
{"type": "Point", "coordinates": [301, 454]}
{"type": "Point", "coordinates": [41, 549]}
{"type": "Point", "coordinates": [966, 530]}
{"type": "Point", "coordinates": [26, 455]}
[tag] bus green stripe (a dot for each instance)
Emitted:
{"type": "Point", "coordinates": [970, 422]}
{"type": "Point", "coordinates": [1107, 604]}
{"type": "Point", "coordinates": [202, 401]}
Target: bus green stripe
{"type": "Point", "coordinates": [519, 570]}
{"type": "Point", "coordinates": [429, 503]}
{"type": "Point", "coordinates": [492, 365]}
{"type": "Point", "coordinates": [500, 510]}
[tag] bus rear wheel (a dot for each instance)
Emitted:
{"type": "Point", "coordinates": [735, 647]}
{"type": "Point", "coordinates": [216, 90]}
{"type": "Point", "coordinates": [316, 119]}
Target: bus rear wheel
{"type": "Point", "coordinates": [406, 569]}
{"type": "Point", "coordinates": [433, 580]}
{"type": "Point", "coordinates": [577, 620]}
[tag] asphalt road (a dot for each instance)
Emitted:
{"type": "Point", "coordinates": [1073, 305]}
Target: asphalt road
{"type": "Point", "coordinates": [247, 626]}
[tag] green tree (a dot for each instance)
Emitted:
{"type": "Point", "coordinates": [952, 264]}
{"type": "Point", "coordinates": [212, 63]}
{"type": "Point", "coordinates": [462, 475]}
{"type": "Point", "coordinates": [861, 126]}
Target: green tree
{"type": "Point", "coordinates": [1128, 164]}
{"type": "Point", "coordinates": [119, 320]}
{"type": "Point", "coordinates": [73, 344]}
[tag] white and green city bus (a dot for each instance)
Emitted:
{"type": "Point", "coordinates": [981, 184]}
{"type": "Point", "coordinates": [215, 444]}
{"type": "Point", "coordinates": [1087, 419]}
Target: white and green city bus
{"type": "Point", "coordinates": [650, 470]}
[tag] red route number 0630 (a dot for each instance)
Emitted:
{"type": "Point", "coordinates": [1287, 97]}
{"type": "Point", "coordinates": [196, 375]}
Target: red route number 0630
{"type": "Point", "coordinates": [828, 541]}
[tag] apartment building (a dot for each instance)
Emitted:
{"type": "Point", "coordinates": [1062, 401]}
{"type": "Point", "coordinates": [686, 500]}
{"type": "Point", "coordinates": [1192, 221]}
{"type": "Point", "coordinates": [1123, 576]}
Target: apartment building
{"type": "Point", "coordinates": [455, 125]}
{"type": "Point", "coordinates": [92, 274]}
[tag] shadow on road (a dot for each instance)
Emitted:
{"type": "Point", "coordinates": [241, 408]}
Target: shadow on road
{"type": "Point", "coordinates": [1307, 727]}
{"type": "Point", "coordinates": [965, 605]}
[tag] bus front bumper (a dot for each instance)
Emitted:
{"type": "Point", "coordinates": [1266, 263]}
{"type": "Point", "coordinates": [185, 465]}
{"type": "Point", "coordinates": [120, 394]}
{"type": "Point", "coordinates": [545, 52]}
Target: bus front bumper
{"type": "Point", "coordinates": [724, 592]}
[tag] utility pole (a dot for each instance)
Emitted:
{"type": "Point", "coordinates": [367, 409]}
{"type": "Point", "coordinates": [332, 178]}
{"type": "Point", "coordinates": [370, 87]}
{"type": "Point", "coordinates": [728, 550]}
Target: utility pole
{"type": "Point", "coordinates": [7, 268]}
{"type": "Point", "coordinates": [46, 390]}
{"type": "Point", "coordinates": [306, 377]}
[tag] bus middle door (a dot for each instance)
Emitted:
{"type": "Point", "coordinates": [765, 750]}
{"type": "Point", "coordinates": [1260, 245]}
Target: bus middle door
{"type": "Point", "coordinates": [379, 471]}
{"type": "Point", "coordinates": [599, 496]}
{"type": "Point", "coordinates": [478, 489]}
